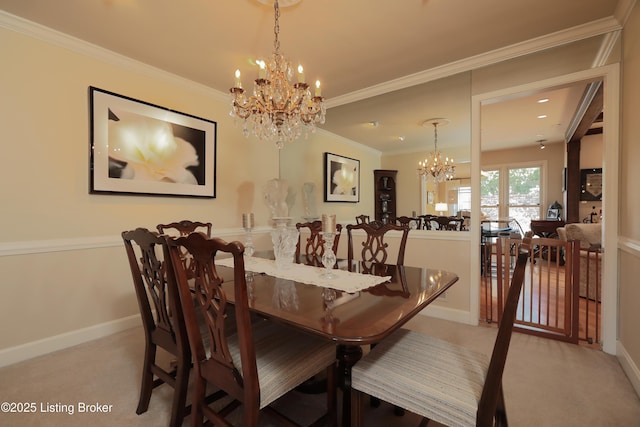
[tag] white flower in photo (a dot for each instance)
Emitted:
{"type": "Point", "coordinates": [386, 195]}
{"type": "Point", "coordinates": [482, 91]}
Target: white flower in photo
{"type": "Point", "coordinates": [150, 150]}
{"type": "Point", "coordinates": [344, 179]}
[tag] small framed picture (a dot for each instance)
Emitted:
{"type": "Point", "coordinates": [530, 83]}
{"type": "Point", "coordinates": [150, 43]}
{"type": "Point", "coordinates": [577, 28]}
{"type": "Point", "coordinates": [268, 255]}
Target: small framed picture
{"type": "Point", "coordinates": [341, 179]}
{"type": "Point", "coordinates": [553, 214]}
{"type": "Point", "coordinates": [429, 197]}
{"type": "Point", "coordinates": [591, 184]}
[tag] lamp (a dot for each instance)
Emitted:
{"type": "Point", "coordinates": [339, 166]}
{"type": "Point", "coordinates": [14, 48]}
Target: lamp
{"type": "Point", "coordinates": [433, 167]}
{"type": "Point", "coordinates": [278, 110]}
{"type": "Point", "coordinates": [441, 207]}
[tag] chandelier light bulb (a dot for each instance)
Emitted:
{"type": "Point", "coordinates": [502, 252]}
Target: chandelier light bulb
{"type": "Point", "coordinates": [262, 72]}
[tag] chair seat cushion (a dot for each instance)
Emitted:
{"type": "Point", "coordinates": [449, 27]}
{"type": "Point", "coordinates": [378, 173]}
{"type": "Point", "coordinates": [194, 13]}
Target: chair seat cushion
{"type": "Point", "coordinates": [285, 357]}
{"type": "Point", "coordinates": [425, 375]}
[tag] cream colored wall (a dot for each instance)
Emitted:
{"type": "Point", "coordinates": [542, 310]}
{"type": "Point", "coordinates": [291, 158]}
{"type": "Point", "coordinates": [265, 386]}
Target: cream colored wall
{"type": "Point", "coordinates": [629, 240]}
{"type": "Point", "coordinates": [45, 114]}
{"type": "Point", "coordinates": [303, 161]}
{"type": "Point", "coordinates": [44, 164]}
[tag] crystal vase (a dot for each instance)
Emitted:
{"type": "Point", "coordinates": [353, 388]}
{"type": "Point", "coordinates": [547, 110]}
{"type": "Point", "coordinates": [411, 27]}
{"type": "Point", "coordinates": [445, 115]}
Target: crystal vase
{"type": "Point", "coordinates": [285, 239]}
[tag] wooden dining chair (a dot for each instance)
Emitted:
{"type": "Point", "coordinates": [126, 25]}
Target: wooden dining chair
{"type": "Point", "coordinates": [455, 224]}
{"type": "Point", "coordinates": [184, 228]}
{"type": "Point", "coordinates": [408, 221]}
{"type": "Point", "coordinates": [426, 221]}
{"type": "Point", "coordinates": [374, 248]}
{"type": "Point", "coordinates": [362, 219]}
{"type": "Point", "coordinates": [162, 321]}
{"type": "Point", "coordinates": [438, 380]}
{"type": "Point", "coordinates": [314, 245]}
{"type": "Point", "coordinates": [258, 363]}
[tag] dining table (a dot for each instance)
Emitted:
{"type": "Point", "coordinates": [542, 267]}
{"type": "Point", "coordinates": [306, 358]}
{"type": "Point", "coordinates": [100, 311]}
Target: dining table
{"type": "Point", "coordinates": [301, 297]}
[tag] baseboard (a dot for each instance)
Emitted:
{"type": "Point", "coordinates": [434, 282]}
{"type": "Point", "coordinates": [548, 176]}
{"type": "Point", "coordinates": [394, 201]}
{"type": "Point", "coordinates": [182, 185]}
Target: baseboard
{"type": "Point", "coordinates": [629, 367]}
{"type": "Point", "coordinates": [19, 353]}
{"type": "Point", "coordinates": [450, 314]}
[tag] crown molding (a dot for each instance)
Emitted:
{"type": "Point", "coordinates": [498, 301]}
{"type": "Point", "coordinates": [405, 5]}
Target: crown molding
{"type": "Point", "coordinates": [74, 44]}
{"type": "Point", "coordinates": [349, 142]}
{"type": "Point", "coordinates": [601, 26]}
{"type": "Point", "coordinates": [606, 47]}
{"type": "Point", "coordinates": [580, 32]}
{"type": "Point", "coordinates": [623, 10]}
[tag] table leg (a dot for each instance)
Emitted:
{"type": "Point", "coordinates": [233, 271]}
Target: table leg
{"type": "Point", "coordinates": [348, 355]}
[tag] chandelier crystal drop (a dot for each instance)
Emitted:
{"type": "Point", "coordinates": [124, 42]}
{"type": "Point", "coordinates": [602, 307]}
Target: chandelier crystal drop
{"type": "Point", "coordinates": [435, 167]}
{"type": "Point", "coordinates": [277, 110]}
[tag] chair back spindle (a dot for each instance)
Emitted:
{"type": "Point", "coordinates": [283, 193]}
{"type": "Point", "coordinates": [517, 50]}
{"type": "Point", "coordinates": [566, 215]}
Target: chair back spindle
{"type": "Point", "coordinates": [314, 244]}
{"type": "Point", "coordinates": [375, 249]}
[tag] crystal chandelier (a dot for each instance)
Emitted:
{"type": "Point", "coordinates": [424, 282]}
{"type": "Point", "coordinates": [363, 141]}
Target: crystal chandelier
{"type": "Point", "coordinates": [277, 111]}
{"type": "Point", "coordinates": [434, 167]}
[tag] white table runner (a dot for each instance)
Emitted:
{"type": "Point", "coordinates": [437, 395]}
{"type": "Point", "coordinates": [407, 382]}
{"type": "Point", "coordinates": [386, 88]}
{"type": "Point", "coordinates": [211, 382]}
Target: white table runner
{"type": "Point", "coordinates": [345, 281]}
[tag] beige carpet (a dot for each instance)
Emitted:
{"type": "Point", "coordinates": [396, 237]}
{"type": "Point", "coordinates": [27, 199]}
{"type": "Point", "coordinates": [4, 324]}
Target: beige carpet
{"type": "Point", "coordinates": [546, 383]}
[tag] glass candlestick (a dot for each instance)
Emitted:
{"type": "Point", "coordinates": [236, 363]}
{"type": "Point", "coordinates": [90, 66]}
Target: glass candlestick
{"type": "Point", "coordinates": [248, 245]}
{"type": "Point", "coordinates": [328, 257]}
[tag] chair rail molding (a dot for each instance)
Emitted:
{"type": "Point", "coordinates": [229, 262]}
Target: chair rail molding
{"type": "Point", "coordinates": [91, 242]}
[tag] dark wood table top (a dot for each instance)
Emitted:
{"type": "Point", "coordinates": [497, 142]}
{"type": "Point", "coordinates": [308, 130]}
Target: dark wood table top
{"type": "Point", "coordinates": [364, 317]}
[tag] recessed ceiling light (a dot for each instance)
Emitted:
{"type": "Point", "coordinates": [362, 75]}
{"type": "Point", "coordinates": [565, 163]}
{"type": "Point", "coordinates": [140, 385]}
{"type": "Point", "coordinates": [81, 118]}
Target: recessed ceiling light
{"type": "Point", "coordinates": [401, 138]}
{"type": "Point", "coordinates": [374, 123]}
{"type": "Point", "coordinates": [543, 100]}
{"type": "Point", "coordinates": [542, 116]}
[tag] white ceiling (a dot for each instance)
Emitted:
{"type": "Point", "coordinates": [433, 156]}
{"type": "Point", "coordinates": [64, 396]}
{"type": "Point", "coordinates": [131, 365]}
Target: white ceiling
{"type": "Point", "coordinates": [361, 50]}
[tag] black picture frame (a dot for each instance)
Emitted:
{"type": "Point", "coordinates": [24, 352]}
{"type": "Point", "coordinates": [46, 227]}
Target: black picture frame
{"type": "Point", "coordinates": [591, 184]}
{"type": "Point", "coordinates": [341, 178]}
{"type": "Point", "coordinates": [139, 148]}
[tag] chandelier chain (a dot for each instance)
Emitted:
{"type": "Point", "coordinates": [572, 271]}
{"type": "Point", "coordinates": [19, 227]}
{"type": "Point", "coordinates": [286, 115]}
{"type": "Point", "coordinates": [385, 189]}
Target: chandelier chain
{"type": "Point", "coordinates": [276, 27]}
{"type": "Point", "coordinates": [435, 135]}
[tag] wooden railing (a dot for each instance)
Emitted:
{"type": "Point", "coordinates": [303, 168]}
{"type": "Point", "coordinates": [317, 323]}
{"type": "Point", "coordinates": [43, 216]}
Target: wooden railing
{"type": "Point", "coordinates": [551, 304]}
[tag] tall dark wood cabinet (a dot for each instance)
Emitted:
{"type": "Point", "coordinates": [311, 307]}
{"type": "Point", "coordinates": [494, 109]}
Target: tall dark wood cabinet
{"type": "Point", "coordinates": [385, 197]}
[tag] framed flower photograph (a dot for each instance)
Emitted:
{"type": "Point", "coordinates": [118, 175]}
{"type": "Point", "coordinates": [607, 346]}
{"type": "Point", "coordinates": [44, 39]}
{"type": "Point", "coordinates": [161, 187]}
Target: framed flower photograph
{"type": "Point", "coordinates": [138, 148]}
{"type": "Point", "coordinates": [341, 179]}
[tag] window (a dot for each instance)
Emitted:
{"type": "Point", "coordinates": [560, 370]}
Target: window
{"type": "Point", "coordinates": [512, 192]}
{"type": "Point", "coordinates": [490, 194]}
{"type": "Point", "coordinates": [464, 198]}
